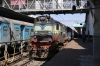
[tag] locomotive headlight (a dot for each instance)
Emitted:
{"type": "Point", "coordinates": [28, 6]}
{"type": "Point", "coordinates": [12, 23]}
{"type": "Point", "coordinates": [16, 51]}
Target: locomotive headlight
{"type": "Point", "coordinates": [49, 32]}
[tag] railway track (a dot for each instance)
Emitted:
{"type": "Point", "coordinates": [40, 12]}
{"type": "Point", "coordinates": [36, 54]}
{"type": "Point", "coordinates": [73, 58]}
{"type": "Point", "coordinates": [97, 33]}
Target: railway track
{"type": "Point", "coordinates": [26, 62]}
{"type": "Point", "coordinates": [23, 60]}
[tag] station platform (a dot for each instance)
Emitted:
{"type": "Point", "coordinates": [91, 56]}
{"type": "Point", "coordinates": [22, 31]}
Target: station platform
{"type": "Point", "coordinates": [75, 53]}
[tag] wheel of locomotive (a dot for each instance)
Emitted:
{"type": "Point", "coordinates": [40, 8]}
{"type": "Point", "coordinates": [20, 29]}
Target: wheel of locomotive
{"type": "Point", "coordinates": [28, 48]}
{"type": "Point", "coordinates": [34, 53]}
{"type": "Point", "coordinates": [46, 53]}
{"type": "Point", "coordinates": [38, 53]}
{"type": "Point", "coordinates": [43, 52]}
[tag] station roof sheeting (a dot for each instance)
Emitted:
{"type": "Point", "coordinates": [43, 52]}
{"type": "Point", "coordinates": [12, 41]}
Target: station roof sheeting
{"type": "Point", "coordinates": [15, 15]}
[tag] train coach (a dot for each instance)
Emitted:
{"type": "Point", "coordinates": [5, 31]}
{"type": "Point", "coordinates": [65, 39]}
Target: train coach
{"type": "Point", "coordinates": [14, 30]}
{"type": "Point", "coordinates": [70, 33]}
{"type": "Point", "coordinates": [47, 32]}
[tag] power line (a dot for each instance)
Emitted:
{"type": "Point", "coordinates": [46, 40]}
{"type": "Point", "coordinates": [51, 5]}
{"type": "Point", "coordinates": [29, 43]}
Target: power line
{"type": "Point", "coordinates": [57, 16]}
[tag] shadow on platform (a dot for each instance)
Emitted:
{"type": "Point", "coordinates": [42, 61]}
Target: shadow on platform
{"type": "Point", "coordinates": [75, 53]}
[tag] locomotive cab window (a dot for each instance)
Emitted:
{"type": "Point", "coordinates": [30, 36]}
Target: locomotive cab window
{"type": "Point", "coordinates": [5, 31]}
{"type": "Point", "coordinates": [57, 26]}
{"type": "Point", "coordinates": [17, 31]}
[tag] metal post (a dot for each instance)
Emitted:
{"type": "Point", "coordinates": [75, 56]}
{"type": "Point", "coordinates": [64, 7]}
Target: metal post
{"type": "Point", "coordinates": [61, 4]}
{"type": "Point", "coordinates": [3, 3]}
{"type": "Point", "coordinates": [27, 4]}
{"type": "Point", "coordinates": [71, 4]}
{"type": "Point", "coordinates": [6, 50]}
{"type": "Point", "coordinates": [81, 3]}
{"type": "Point", "coordinates": [35, 4]}
{"type": "Point", "coordinates": [44, 4]}
{"type": "Point", "coordinates": [22, 48]}
{"type": "Point", "coordinates": [19, 6]}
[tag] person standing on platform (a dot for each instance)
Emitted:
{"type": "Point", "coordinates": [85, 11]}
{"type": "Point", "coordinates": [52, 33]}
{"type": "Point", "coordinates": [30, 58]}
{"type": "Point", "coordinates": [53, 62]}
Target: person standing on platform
{"type": "Point", "coordinates": [83, 36]}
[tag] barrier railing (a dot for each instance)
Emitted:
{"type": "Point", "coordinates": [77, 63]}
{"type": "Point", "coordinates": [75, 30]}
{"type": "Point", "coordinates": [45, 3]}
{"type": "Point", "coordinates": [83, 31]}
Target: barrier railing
{"type": "Point", "coordinates": [47, 6]}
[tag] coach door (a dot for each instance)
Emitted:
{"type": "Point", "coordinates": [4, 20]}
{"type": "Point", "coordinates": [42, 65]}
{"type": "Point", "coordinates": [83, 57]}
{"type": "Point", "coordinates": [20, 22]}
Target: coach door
{"type": "Point", "coordinates": [5, 33]}
{"type": "Point", "coordinates": [17, 32]}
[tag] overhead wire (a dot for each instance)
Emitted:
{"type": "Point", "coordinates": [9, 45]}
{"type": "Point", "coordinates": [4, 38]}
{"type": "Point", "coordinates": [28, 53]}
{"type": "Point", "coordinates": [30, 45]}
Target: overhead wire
{"type": "Point", "coordinates": [61, 16]}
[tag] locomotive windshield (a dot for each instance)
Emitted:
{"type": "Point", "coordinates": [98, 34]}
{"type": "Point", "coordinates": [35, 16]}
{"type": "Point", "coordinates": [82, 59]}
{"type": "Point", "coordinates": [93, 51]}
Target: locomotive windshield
{"type": "Point", "coordinates": [43, 20]}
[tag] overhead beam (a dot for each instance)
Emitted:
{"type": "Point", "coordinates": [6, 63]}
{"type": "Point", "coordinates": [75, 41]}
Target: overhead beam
{"type": "Point", "coordinates": [56, 12]}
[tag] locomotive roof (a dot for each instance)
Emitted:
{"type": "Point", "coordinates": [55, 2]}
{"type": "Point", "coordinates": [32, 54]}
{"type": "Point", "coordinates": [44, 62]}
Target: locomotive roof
{"type": "Point", "coordinates": [53, 20]}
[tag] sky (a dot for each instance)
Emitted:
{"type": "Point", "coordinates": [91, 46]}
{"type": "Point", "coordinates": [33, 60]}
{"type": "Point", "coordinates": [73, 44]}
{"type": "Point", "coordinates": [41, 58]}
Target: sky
{"type": "Point", "coordinates": [69, 16]}
{"type": "Point", "coordinates": [78, 16]}
{"type": "Point", "coordinates": [60, 17]}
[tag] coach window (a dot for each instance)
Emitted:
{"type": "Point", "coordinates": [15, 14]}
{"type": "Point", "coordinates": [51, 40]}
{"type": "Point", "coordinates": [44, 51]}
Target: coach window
{"type": "Point", "coordinates": [26, 30]}
{"type": "Point", "coordinates": [17, 31]}
{"type": "Point", "coordinates": [5, 31]}
{"type": "Point", "coordinates": [31, 31]}
{"type": "Point", "coordinates": [57, 26]}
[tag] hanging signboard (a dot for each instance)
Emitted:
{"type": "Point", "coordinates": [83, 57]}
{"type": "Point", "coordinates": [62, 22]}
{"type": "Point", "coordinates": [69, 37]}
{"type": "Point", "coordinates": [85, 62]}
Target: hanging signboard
{"type": "Point", "coordinates": [18, 2]}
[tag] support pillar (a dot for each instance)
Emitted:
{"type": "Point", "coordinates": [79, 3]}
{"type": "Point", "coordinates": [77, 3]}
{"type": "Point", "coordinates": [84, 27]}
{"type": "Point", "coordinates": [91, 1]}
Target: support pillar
{"type": "Point", "coordinates": [96, 42]}
{"type": "Point", "coordinates": [53, 4]}
{"type": "Point", "coordinates": [3, 3]}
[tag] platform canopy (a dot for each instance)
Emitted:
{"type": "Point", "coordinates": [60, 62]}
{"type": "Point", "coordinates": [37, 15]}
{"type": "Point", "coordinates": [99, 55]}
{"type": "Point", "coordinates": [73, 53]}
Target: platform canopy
{"type": "Point", "coordinates": [4, 12]}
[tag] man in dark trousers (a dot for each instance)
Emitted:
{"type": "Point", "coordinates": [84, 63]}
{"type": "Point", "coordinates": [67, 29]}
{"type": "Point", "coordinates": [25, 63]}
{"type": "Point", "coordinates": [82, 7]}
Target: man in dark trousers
{"type": "Point", "coordinates": [83, 36]}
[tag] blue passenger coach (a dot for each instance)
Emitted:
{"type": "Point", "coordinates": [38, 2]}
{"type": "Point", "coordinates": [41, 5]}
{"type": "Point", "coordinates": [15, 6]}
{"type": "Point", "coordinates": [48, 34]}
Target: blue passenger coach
{"type": "Point", "coordinates": [70, 33]}
{"type": "Point", "coordinates": [13, 30]}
